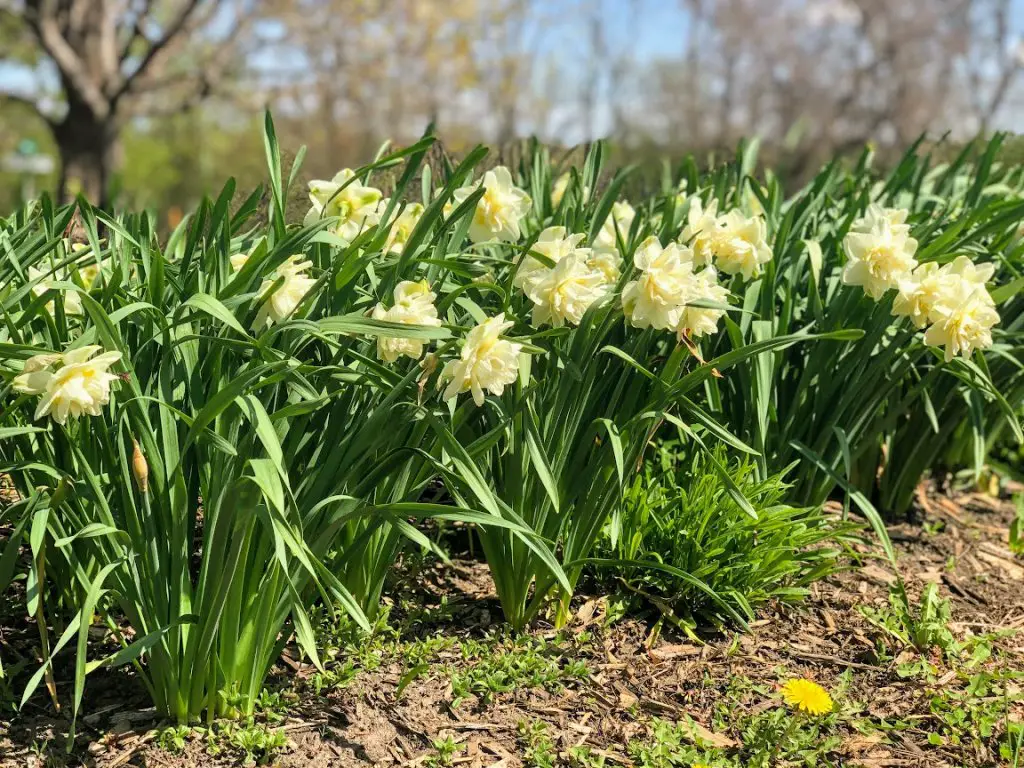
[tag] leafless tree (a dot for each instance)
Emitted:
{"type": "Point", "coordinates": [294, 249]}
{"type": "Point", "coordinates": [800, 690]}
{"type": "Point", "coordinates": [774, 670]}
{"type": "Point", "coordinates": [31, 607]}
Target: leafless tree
{"type": "Point", "coordinates": [116, 60]}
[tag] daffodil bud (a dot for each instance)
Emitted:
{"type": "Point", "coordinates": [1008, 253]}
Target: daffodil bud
{"type": "Point", "coordinates": [60, 493]}
{"type": "Point", "coordinates": [139, 467]}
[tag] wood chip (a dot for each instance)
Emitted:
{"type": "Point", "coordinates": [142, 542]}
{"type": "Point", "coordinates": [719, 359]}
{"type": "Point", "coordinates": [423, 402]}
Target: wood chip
{"type": "Point", "coordinates": [665, 652]}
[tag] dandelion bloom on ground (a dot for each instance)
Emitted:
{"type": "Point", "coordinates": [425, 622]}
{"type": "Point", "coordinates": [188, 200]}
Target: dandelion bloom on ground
{"type": "Point", "coordinates": [807, 696]}
{"type": "Point", "coordinates": [414, 305]}
{"type": "Point", "coordinates": [500, 210]}
{"type": "Point", "coordinates": [79, 385]}
{"type": "Point", "coordinates": [487, 362]}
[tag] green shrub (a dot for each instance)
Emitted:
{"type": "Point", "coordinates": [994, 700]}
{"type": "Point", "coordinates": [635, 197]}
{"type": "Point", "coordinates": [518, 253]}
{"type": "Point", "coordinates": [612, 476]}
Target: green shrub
{"type": "Point", "coordinates": [724, 562]}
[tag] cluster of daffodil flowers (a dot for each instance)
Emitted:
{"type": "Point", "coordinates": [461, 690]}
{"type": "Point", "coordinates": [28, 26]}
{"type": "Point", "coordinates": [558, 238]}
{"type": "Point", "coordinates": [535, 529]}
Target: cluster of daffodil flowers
{"type": "Point", "coordinates": [673, 279]}
{"type": "Point", "coordinates": [356, 207]}
{"type": "Point", "coordinates": [953, 298]}
{"type": "Point", "coordinates": [563, 279]}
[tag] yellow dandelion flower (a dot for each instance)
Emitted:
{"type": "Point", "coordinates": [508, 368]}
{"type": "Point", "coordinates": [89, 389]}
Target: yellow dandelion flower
{"type": "Point", "coordinates": [807, 696]}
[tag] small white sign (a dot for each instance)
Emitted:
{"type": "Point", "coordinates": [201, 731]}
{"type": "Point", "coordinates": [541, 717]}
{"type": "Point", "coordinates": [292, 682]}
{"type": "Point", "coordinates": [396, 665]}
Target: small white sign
{"type": "Point", "coordinates": [35, 164]}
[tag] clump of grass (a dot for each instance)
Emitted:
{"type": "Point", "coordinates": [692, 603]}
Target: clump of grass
{"type": "Point", "coordinates": [705, 556]}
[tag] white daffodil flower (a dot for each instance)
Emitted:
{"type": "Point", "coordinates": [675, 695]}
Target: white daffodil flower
{"type": "Point", "coordinates": [657, 298]}
{"type": "Point", "coordinates": [501, 209]}
{"type": "Point", "coordinates": [487, 363]}
{"type": "Point", "coordinates": [740, 245]}
{"type": "Point", "coordinates": [355, 205]}
{"type": "Point", "coordinates": [879, 259]}
{"type": "Point", "coordinates": [563, 293]}
{"type": "Point", "coordinates": [69, 384]}
{"type": "Point", "coordinates": [621, 216]}
{"type": "Point", "coordinates": [283, 302]}
{"type": "Point", "coordinates": [701, 224]}
{"type": "Point", "coordinates": [414, 305]}
{"type": "Point", "coordinates": [963, 321]}
{"type": "Point", "coordinates": [702, 321]}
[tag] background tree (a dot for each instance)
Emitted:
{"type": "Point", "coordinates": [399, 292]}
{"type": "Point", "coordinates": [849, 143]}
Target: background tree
{"type": "Point", "coordinates": [809, 77]}
{"type": "Point", "coordinates": [90, 66]}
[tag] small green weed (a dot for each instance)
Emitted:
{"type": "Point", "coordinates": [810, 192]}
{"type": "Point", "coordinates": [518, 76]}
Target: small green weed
{"type": "Point", "coordinates": [925, 630]}
{"type": "Point", "coordinates": [444, 754]}
{"type": "Point", "coordinates": [972, 716]}
{"type": "Point", "coordinates": [1012, 747]}
{"type": "Point", "coordinates": [708, 558]}
{"type": "Point", "coordinates": [254, 741]}
{"type": "Point", "coordinates": [538, 748]}
{"type": "Point", "coordinates": [173, 738]}
{"type": "Point", "coordinates": [671, 745]}
{"type": "Point", "coordinates": [524, 662]}
{"type": "Point", "coordinates": [1017, 526]}
{"type": "Point", "coordinates": [585, 757]}
{"type": "Point", "coordinates": [274, 705]}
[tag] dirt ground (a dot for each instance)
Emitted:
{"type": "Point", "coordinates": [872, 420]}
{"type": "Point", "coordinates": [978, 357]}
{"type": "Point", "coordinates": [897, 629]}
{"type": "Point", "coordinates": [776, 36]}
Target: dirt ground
{"type": "Point", "coordinates": [451, 688]}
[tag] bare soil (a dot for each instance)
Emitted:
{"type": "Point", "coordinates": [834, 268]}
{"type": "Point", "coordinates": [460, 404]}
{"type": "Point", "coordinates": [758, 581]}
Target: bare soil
{"type": "Point", "coordinates": [385, 717]}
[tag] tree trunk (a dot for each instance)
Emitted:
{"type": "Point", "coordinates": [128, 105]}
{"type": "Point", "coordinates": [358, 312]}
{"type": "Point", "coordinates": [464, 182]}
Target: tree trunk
{"type": "Point", "coordinates": [88, 150]}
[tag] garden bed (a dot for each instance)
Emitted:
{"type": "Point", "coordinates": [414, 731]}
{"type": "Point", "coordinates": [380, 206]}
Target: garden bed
{"type": "Point", "coordinates": [447, 685]}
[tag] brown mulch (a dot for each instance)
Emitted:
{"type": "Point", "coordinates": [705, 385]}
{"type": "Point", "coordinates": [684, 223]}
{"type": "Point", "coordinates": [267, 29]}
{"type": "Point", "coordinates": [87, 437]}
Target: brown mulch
{"type": "Point", "coordinates": [634, 676]}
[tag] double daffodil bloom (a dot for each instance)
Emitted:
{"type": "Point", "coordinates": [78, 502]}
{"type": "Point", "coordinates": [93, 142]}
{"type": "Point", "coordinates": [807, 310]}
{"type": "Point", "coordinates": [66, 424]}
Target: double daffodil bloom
{"type": "Point", "coordinates": [740, 244]}
{"type": "Point", "coordinates": [701, 224]}
{"type": "Point", "coordinates": [487, 363]}
{"type": "Point", "coordinates": [501, 209]}
{"type": "Point", "coordinates": [69, 384]}
{"type": "Point", "coordinates": [657, 298]}
{"type": "Point", "coordinates": [621, 217]}
{"type": "Point", "coordinates": [354, 204]}
{"type": "Point", "coordinates": [702, 321]}
{"type": "Point", "coordinates": [565, 292]}
{"type": "Point", "coordinates": [414, 305]}
{"type": "Point", "coordinates": [880, 258]}
{"type": "Point", "coordinates": [283, 302]}
{"type": "Point", "coordinates": [402, 226]}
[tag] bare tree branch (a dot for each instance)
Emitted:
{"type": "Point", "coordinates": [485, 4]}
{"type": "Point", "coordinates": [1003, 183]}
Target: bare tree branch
{"type": "Point", "coordinates": [71, 66]}
{"type": "Point", "coordinates": [156, 46]}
